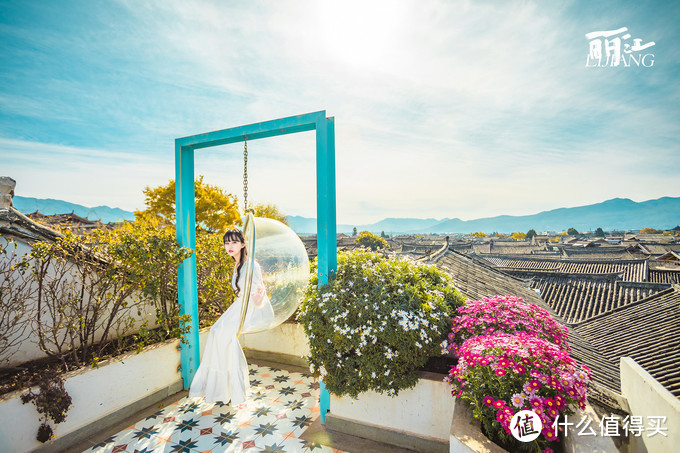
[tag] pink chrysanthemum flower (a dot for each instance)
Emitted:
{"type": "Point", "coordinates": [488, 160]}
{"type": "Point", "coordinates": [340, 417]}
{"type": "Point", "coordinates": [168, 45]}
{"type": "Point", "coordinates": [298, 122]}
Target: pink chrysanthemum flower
{"type": "Point", "coordinates": [517, 400]}
{"type": "Point", "coordinates": [581, 376]}
{"type": "Point", "coordinates": [536, 402]}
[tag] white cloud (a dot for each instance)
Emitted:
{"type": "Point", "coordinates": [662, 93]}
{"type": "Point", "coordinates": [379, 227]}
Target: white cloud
{"type": "Point", "coordinates": [90, 177]}
{"type": "Point", "coordinates": [442, 109]}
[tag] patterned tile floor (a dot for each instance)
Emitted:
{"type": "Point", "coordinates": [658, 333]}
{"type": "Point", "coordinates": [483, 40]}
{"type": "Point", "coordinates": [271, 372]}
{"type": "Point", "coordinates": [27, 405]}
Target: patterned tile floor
{"type": "Point", "coordinates": [280, 406]}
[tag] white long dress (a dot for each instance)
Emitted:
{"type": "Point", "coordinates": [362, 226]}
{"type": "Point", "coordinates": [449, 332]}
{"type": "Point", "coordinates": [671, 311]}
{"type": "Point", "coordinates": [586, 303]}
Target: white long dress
{"type": "Point", "coordinates": [223, 372]}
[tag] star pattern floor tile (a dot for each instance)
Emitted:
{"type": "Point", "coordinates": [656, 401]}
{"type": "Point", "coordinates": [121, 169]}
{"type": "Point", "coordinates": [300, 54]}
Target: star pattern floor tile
{"type": "Point", "coordinates": [280, 406]}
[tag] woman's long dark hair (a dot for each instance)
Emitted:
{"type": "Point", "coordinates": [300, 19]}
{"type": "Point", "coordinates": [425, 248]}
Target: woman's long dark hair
{"type": "Point", "coordinates": [237, 235]}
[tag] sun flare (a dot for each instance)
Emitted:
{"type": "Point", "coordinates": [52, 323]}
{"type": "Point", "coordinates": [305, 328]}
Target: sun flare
{"type": "Point", "coordinates": [361, 34]}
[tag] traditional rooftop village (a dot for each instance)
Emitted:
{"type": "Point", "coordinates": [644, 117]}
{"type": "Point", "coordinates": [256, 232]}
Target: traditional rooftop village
{"type": "Point", "coordinates": [619, 295]}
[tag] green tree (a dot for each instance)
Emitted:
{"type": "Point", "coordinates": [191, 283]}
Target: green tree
{"type": "Point", "coordinates": [216, 210]}
{"type": "Point", "coordinates": [572, 232]}
{"type": "Point", "coordinates": [599, 233]}
{"type": "Point", "coordinates": [354, 231]}
{"type": "Point", "coordinates": [531, 233]}
{"type": "Point", "coordinates": [371, 241]}
{"type": "Point", "coordinates": [269, 211]}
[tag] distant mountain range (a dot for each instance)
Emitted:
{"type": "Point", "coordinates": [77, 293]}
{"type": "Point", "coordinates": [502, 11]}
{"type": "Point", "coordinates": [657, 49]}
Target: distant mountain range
{"type": "Point", "coordinates": [616, 214]}
{"type": "Point", "coordinates": [49, 206]}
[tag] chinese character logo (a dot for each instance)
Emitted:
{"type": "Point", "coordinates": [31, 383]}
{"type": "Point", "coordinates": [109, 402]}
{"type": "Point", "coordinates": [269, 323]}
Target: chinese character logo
{"type": "Point", "coordinates": [613, 48]}
{"type": "Point", "coordinates": [526, 426]}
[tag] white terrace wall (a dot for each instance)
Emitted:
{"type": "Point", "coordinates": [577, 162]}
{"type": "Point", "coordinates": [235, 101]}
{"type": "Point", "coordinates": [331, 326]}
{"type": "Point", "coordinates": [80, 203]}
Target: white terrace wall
{"type": "Point", "coordinates": [28, 348]}
{"type": "Point", "coordinates": [99, 393]}
{"type": "Point", "coordinates": [648, 398]}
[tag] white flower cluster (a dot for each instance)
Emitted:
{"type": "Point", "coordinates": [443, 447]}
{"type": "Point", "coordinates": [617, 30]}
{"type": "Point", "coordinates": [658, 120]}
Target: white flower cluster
{"type": "Point", "coordinates": [412, 321]}
{"type": "Point", "coordinates": [371, 304]}
{"type": "Point", "coordinates": [436, 294]}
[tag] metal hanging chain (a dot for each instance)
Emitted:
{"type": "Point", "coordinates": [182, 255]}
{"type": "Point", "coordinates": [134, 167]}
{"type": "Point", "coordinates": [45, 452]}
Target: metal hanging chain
{"type": "Point", "coordinates": [245, 174]}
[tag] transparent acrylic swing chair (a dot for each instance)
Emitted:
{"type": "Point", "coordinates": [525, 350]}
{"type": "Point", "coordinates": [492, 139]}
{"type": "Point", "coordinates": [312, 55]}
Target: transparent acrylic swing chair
{"type": "Point", "coordinates": [284, 263]}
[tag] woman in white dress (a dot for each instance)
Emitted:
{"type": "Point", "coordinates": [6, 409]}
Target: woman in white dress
{"type": "Point", "coordinates": [223, 372]}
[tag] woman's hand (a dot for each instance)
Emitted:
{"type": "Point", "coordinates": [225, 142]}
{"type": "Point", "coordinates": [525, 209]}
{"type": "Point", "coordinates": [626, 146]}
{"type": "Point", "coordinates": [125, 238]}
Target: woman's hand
{"type": "Point", "coordinates": [259, 296]}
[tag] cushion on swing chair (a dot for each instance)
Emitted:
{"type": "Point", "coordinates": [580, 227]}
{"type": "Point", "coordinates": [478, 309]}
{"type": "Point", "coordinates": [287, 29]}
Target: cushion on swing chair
{"type": "Point", "coordinates": [284, 265]}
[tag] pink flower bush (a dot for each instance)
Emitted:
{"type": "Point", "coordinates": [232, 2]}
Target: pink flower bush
{"type": "Point", "coordinates": [507, 314]}
{"type": "Point", "coordinates": [508, 364]}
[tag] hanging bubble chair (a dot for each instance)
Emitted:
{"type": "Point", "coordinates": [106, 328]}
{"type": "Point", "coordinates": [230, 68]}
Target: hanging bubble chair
{"type": "Point", "coordinates": [284, 264]}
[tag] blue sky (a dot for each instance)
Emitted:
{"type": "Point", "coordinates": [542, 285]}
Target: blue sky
{"type": "Point", "coordinates": [442, 108]}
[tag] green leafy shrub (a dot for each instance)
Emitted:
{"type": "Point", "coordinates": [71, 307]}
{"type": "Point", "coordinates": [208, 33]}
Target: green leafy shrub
{"type": "Point", "coordinates": [376, 322]}
{"type": "Point", "coordinates": [83, 298]}
{"type": "Point", "coordinates": [149, 255]}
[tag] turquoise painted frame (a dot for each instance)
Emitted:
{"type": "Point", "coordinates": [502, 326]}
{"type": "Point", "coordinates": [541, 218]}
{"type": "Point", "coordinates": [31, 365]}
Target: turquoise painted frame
{"type": "Point", "coordinates": [186, 213]}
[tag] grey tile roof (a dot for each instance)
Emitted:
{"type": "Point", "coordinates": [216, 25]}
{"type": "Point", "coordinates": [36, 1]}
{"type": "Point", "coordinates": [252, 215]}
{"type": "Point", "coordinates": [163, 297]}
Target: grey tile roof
{"type": "Point", "coordinates": [657, 249]}
{"type": "Point", "coordinates": [527, 249]}
{"type": "Point", "coordinates": [632, 270]}
{"type": "Point", "coordinates": [647, 330]}
{"type": "Point", "coordinates": [477, 279]}
{"type": "Point", "coordinates": [665, 276]}
{"type": "Point", "coordinates": [598, 253]}
{"type": "Point", "coordinates": [464, 248]}
{"type": "Point", "coordinates": [481, 248]}
{"type": "Point", "coordinates": [343, 243]}
{"type": "Point", "coordinates": [577, 298]}
{"type": "Point", "coordinates": [15, 224]}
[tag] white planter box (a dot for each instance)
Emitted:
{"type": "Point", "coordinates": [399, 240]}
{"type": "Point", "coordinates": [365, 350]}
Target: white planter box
{"type": "Point", "coordinates": [466, 434]}
{"type": "Point", "coordinates": [96, 393]}
{"type": "Point", "coordinates": [419, 418]}
{"type": "Point", "coordinates": [467, 437]}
